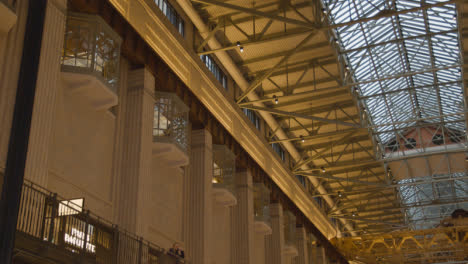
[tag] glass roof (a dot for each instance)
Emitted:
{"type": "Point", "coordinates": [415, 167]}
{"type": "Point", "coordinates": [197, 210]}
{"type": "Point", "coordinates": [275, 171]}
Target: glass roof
{"type": "Point", "coordinates": [406, 67]}
{"type": "Point", "coordinates": [428, 202]}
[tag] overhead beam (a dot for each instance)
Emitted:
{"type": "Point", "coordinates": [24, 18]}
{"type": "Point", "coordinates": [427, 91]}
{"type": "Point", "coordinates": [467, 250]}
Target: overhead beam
{"type": "Point", "coordinates": [327, 144]}
{"type": "Point", "coordinates": [282, 53]}
{"type": "Point", "coordinates": [259, 81]}
{"type": "Point", "coordinates": [329, 177]}
{"type": "Point", "coordinates": [305, 96]}
{"type": "Point", "coordinates": [319, 153]}
{"type": "Point", "coordinates": [292, 114]}
{"type": "Point", "coordinates": [318, 136]}
{"type": "Point", "coordinates": [264, 39]}
{"type": "Point", "coordinates": [256, 12]}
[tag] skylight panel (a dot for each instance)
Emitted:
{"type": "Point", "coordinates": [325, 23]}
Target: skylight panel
{"type": "Point", "coordinates": [426, 52]}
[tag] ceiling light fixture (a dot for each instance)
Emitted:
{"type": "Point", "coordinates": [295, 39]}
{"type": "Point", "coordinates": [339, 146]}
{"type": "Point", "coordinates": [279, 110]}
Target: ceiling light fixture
{"type": "Point", "coordinates": [340, 194]}
{"type": "Point", "coordinates": [241, 49]}
{"type": "Point", "coordinates": [354, 214]}
{"type": "Point", "coordinates": [302, 139]}
{"type": "Point", "coordinates": [238, 43]}
{"type": "Point", "coordinates": [276, 99]}
{"type": "Point", "coordinates": [323, 169]}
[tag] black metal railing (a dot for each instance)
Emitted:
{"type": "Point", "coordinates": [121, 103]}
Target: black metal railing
{"type": "Point", "coordinates": [45, 217]}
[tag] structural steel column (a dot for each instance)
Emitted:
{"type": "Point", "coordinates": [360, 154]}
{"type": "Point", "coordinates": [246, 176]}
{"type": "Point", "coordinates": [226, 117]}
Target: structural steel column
{"type": "Point", "coordinates": [243, 220]}
{"type": "Point", "coordinates": [301, 245]}
{"type": "Point", "coordinates": [137, 151]}
{"type": "Point", "coordinates": [19, 139]}
{"type": "Point", "coordinates": [198, 199]}
{"type": "Point", "coordinates": [48, 82]}
{"type": "Point", "coordinates": [274, 243]}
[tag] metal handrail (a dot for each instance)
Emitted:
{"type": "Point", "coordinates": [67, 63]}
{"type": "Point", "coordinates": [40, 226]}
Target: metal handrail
{"type": "Point", "coordinates": [42, 216]}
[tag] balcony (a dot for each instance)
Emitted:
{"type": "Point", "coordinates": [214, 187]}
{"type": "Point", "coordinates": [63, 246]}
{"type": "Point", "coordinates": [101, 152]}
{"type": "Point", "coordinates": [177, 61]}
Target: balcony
{"type": "Point", "coordinates": [90, 60]}
{"type": "Point", "coordinates": [51, 229]}
{"type": "Point", "coordinates": [224, 168]}
{"type": "Point", "coordinates": [7, 15]}
{"type": "Point", "coordinates": [262, 209]}
{"type": "Point", "coordinates": [289, 224]}
{"type": "Point", "coordinates": [171, 130]}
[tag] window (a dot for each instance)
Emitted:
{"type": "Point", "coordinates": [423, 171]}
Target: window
{"type": "Point", "coordinates": [252, 117]}
{"type": "Point", "coordinates": [278, 149]}
{"type": "Point", "coordinates": [215, 69]}
{"type": "Point", "coordinates": [301, 180]}
{"type": "Point", "coordinates": [170, 12]}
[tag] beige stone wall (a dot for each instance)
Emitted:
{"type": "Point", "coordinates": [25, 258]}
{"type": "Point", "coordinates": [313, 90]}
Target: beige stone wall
{"type": "Point", "coordinates": [81, 152]}
{"type": "Point", "coordinates": [221, 234]}
{"type": "Point", "coordinates": [165, 223]}
{"type": "Point", "coordinates": [259, 249]}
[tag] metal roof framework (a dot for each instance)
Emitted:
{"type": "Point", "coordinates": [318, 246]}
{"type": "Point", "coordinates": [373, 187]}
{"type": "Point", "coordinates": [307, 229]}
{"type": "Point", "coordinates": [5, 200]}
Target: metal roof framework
{"type": "Point", "coordinates": [343, 79]}
{"type": "Point", "coordinates": [406, 70]}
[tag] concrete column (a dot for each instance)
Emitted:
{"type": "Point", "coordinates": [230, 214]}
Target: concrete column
{"type": "Point", "coordinates": [198, 199]}
{"type": "Point", "coordinates": [137, 152]}
{"type": "Point", "coordinates": [243, 220]}
{"type": "Point", "coordinates": [301, 245]}
{"type": "Point", "coordinates": [274, 243]}
{"type": "Point", "coordinates": [11, 48]}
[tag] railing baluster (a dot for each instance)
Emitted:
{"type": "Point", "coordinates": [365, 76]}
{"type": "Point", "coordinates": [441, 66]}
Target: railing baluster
{"type": "Point", "coordinates": [52, 217]}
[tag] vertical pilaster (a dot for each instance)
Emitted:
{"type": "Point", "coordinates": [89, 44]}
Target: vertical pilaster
{"type": "Point", "coordinates": [301, 245]}
{"type": "Point", "coordinates": [243, 220]}
{"type": "Point", "coordinates": [119, 138]}
{"type": "Point", "coordinates": [11, 47]}
{"type": "Point", "coordinates": [137, 151]}
{"type": "Point", "coordinates": [274, 243]}
{"type": "Point", "coordinates": [48, 81]}
{"type": "Point", "coordinates": [198, 198]}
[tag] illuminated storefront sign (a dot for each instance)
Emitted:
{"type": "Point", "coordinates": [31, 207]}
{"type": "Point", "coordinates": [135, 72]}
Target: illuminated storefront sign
{"type": "Point", "coordinates": [77, 238]}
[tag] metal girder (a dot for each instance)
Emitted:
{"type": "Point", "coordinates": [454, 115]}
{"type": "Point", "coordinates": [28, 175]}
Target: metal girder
{"type": "Point", "coordinates": [304, 99]}
{"type": "Point", "coordinates": [264, 39]}
{"type": "Point", "coordinates": [250, 18]}
{"type": "Point", "coordinates": [327, 108]}
{"type": "Point", "coordinates": [259, 81]}
{"type": "Point", "coordinates": [210, 35]}
{"type": "Point", "coordinates": [256, 12]}
{"type": "Point", "coordinates": [305, 84]}
{"type": "Point", "coordinates": [328, 147]}
{"type": "Point", "coordinates": [282, 53]}
{"type": "Point", "coordinates": [285, 113]}
{"type": "Point", "coordinates": [438, 245]}
{"type": "Point", "coordinates": [329, 177]}
{"type": "Point", "coordinates": [317, 136]}
{"type": "Point", "coordinates": [327, 144]}
{"type": "Point", "coordinates": [318, 124]}
{"type": "Point", "coordinates": [313, 95]}
{"type": "Point", "coordinates": [285, 68]}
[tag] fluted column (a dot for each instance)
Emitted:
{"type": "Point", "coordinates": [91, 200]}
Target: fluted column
{"type": "Point", "coordinates": [274, 243]}
{"type": "Point", "coordinates": [198, 199]}
{"type": "Point", "coordinates": [131, 195]}
{"type": "Point", "coordinates": [243, 220]}
{"type": "Point", "coordinates": [301, 245]}
{"type": "Point", "coordinates": [11, 47]}
{"type": "Point", "coordinates": [48, 81]}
